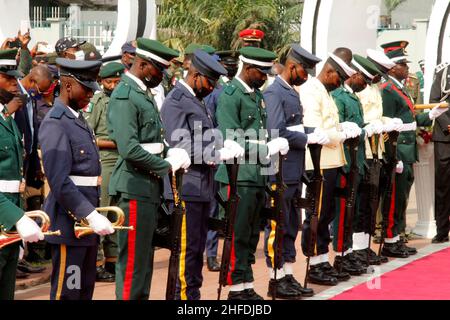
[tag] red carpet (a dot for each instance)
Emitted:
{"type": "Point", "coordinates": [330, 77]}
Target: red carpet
{"type": "Point", "coordinates": [425, 279]}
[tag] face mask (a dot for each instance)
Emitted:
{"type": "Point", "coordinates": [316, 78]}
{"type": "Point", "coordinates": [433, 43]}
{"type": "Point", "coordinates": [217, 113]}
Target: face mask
{"type": "Point", "coordinates": [231, 71]}
{"type": "Point", "coordinates": [152, 82]}
{"type": "Point", "coordinates": [256, 84]}
{"type": "Point", "coordinates": [79, 55]}
{"type": "Point", "coordinates": [34, 94]}
{"type": "Point", "coordinates": [201, 92]}
{"type": "Point", "coordinates": [107, 92]}
{"type": "Point", "coordinates": [5, 96]}
{"type": "Point", "coordinates": [297, 80]}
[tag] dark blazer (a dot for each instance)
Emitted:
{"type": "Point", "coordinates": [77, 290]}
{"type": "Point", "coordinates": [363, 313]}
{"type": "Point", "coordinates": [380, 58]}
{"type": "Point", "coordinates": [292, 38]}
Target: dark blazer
{"type": "Point", "coordinates": [285, 110]}
{"type": "Point", "coordinates": [182, 110]}
{"type": "Point", "coordinates": [68, 149]}
{"type": "Point", "coordinates": [440, 130]}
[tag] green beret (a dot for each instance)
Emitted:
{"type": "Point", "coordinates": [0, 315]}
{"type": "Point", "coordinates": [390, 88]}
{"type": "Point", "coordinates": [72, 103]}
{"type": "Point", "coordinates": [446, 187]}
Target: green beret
{"type": "Point", "coordinates": [111, 70]}
{"type": "Point", "coordinates": [154, 50]}
{"type": "Point", "coordinates": [366, 66]}
{"type": "Point", "coordinates": [208, 49]}
{"type": "Point", "coordinates": [190, 49]}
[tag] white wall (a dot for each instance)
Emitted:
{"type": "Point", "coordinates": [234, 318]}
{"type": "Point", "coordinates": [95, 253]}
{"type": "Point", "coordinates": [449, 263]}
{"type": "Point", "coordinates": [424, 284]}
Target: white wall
{"type": "Point", "coordinates": [14, 15]}
{"type": "Point", "coordinates": [341, 23]}
{"type": "Point", "coordinates": [416, 38]}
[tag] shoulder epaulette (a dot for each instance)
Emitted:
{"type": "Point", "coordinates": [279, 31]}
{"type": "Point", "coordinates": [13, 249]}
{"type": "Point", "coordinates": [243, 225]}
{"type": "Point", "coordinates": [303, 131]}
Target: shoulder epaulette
{"type": "Point", "coordinates": [177, 94]}
{"type": "Point", "coordinates": [442, 66]}
{"type": "Point", "coordinates": [123, 92]}
{"type": "Point", "coordinates": [230, 89]}
{"type": "Point", "coordinates": [56, 113]}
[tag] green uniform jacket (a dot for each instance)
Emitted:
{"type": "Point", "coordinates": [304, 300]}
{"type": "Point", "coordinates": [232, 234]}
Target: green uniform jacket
{"type": "Point", "coordinates": [96, 117]}
{"type": "Point", "coordinates": [11, 168]}
{"type": "Point", "coordinates": [398, 104]}
{"type": "Point", "coordinates": [244, 112]}
{"type": "Point", "coordinates": [133, 119]}
{"type": "Point", "coordinates": [350, 110]}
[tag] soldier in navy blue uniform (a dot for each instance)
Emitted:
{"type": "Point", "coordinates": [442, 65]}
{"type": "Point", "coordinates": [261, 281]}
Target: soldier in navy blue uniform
{"type": "Point", "coordinates": [285, 114]}
{"type": "Point", "coordinates": [72, 165]}
{"type": "Point", "coordinates": [228, 59]}
{"type": "Point", "coordinates": [184, 109]}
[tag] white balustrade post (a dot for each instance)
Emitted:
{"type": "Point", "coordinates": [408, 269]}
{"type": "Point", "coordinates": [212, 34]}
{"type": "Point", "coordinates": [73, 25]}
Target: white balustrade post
{"type": "Point", "coordinates": [424, 182]}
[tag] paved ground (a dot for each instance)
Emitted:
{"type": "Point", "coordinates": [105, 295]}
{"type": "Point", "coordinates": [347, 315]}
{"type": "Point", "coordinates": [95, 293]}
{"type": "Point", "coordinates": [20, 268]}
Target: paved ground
{"type": "Point", "coordinates": [105, 291]}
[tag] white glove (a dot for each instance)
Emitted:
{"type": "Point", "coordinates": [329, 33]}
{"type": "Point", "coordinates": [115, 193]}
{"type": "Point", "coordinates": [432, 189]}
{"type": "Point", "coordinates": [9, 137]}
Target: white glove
{"type": "Point", "coordinates": [349, 126]}
{"type": "Point", "coordinates": [29, 230]}
{"type": "Point", "coordinates": [235, 147]}
{"type": "Point", "coordinates": [100, 224]}
{"type": "Point", "coordinates": [226, 154]}
{"type": "Point", "coordinates": [399, 167]}
{"type": "Point", "coordinates": [318, 137]}
{"type": "Point", "coordinates": [178, 158]}
{"type": "Point", "coordinates": [352, 132]}
{"type": "Point", "coordinates": [436, 112]}
{"type": "Point", "coordinates": [370, 130]}
{"type": "Point", "coordinates": [377, 127]}
{"type": "Point", "coordinates": [280, 145]}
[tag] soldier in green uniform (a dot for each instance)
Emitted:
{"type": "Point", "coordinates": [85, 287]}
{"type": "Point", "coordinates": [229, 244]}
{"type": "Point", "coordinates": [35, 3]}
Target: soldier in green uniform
{"type": "Point", "coordinates": [11, 175]}
{"type": "Point", "coordinates": [350, 110]}
{"type": "Point", "coordinates": [241, 108]}
{"type": "Point", "coordinates": [135, 126]}
{"type": "Point", "coordinates": [96, 117]}
{"type": "Point", "coordinates": [397, 103]}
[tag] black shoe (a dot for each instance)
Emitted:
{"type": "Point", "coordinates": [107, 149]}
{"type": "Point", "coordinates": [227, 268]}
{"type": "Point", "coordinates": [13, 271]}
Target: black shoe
{"type": "Point", "coordinates": [252, 295]}
{"type": "Point", "coordinates": [110, 267]}
{"type": "Point", "coordinates": [440, 239]}
{"type": "Point", "coordinates": [21, 274]}
{"type": "Point", "coordinates": [348, 264]}
{"type": "Point", "coordinates": [373, 255]}
{"type": "Point", "coordinates": [104, 276]}
{"type": "Point", "coordinates": [329, 270]}
{"type": "Point", "coordinates": [283, 289]}
{"type": "Point", "coordinates": [212, 264]}
{"type": "Point", "coordinates": [306, 292]}
{"type": "Point", "coordinates": [237, 295]}
{"type": "Point", "coordinates": [411, 251]}
{"type": "Point", "coordinates": [394, 250]}
{"type": "Point", "coordinates": [26, 267]}
{"type": "Point", "coordinates": [318, 276]}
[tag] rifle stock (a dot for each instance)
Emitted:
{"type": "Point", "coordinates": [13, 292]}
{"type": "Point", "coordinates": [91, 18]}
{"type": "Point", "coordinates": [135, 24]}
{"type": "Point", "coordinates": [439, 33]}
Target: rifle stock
{"type": "Point", "coordinates": [314, 195]}
{"type": "Point", "coordinates": [231, 206]}
{"type": "Point", "coordinates": [352, 180]}
{"type": "Point", "coordinates": [176, 222]}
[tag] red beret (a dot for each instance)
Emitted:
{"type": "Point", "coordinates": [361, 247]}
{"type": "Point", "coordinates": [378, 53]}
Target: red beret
{"type": "Point", "coordinates": [251, 35]}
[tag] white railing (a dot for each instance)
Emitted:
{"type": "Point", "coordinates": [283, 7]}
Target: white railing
{"type": "Point", "coordinates": [39, 15]}
{"type": "Point", "coordinates": [99, 33]}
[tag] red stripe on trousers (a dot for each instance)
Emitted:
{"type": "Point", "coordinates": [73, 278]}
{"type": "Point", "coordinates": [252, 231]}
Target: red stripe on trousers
{"type": "Point", "coordinates": [232, 262]}
{"type": "Point", "coordinates": [233, 254]}
{"type": "Point", "coordinates": [389, 233]}
{"type": "Point", "coordinates": [131, 251]}
{"type": "Point", "coordinates": [341, 227]}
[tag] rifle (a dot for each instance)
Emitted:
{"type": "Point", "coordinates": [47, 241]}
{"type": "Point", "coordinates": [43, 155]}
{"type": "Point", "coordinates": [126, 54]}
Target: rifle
{"type": "Point", "coordinates": [230, 206]}
{"type": "Point", "coordinates": [277, 194]}
{"type": "Point", "coordinates": [176, 222]}
{"type": "Point", "coordinates": [391, 173]}
{"type": "Point", "coordinates": [374, 187]}
{"type": "Point", "coordinates": [352, 180]}
{"type": "Point", "coordinates": [313, 202]}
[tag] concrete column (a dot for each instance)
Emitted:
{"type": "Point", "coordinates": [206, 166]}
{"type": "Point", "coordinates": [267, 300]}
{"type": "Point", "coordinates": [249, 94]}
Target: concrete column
{"type": "Point", "coordinates": [424, 183]}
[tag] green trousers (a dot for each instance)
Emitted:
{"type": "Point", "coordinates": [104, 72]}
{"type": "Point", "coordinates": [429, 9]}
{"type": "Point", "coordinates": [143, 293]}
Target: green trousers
{"type": "Point", "coordinates": [395, 222]}
{"type": "Point", "coordinates": [107, 249]}
{"type": "Point", "coordinates": [134, 267]}
{"type": "Point", "coordinates": [342, 241]}
{"type": "Point", "coordinates": [246, 233]}
{"type": "Point", "coordinates": [9, 257]}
